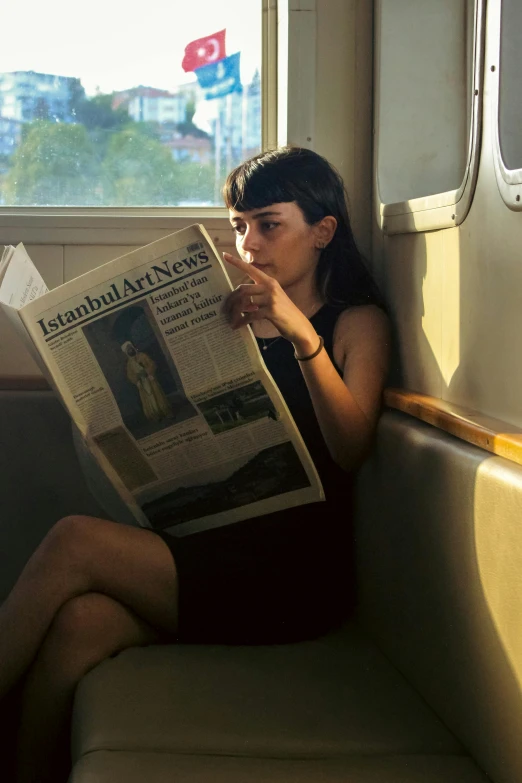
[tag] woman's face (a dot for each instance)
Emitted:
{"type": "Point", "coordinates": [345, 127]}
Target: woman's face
{"type": "Point", "coordinates": [278, 240]}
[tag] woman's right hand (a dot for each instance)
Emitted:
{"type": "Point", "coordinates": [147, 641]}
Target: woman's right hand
{"type": "Point", "coordinates": [265, 299]}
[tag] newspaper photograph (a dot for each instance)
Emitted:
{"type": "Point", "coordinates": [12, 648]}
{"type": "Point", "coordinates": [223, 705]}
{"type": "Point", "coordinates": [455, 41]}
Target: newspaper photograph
{"type": "Point", "coordinates": [177, 408]}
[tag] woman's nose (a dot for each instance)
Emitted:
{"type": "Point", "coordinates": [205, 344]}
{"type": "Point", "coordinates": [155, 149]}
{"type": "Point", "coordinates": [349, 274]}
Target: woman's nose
{"type": "Point", "coordinates": [250, 240]}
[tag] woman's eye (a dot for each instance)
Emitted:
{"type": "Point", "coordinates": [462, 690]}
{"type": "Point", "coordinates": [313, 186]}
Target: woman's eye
{"type": "Point", "coordinates": [239, 230]}
{"type": "Point", "coordinates": [269, 226]}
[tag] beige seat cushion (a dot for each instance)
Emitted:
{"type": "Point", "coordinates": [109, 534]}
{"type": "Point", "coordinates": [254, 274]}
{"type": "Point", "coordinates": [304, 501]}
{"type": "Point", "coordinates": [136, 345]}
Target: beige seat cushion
{"type": "Point", "coordinates": [107, 767]}
{"type": "Point", "coordinates": [439, 540]}
{"type": "Point", "coordinates": [332, 696]}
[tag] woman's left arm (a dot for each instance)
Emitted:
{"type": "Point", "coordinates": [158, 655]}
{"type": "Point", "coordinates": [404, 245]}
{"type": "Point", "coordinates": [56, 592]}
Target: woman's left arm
{"type": "Point", "coordinates": [348, 407]}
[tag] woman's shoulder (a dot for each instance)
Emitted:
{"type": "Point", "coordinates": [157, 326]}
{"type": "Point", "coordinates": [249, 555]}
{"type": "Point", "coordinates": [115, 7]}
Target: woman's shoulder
{"type": "Point", "coordinates": [365, 316]}
{"type": "Point", "coordinates": [363, 328]}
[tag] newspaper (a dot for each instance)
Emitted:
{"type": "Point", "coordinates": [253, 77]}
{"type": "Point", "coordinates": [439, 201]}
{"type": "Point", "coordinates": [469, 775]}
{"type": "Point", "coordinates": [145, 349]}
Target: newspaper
{"type": "Point", "coordinates": [177, 408]}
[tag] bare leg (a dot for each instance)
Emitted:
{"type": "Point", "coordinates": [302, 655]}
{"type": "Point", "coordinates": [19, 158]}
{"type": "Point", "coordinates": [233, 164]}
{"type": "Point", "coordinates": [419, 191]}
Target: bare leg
{"type": "Point", "coordinates": [82, 555]}
{"type": "Point", "coordinates": [85, 631]}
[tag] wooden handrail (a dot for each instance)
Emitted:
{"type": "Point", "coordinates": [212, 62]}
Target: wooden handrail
{"type": "Point", "coordinates": [493, 435]}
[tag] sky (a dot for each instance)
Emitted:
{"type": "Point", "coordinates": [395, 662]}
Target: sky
{"type": "Point", "coordinates": [112, 45]}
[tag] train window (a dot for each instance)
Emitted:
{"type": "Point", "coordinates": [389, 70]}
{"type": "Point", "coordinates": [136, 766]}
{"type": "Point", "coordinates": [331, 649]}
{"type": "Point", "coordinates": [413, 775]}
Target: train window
{"type": "Point", "coordinates": [121, 108]}
{"type": "Point", "coordinates": [427, 110]}
{"type": "Point", "coordinates": [507, 103]}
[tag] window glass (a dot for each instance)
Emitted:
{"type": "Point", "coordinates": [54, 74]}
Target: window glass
{"type": "Point", "coordinates": [118, 104]}
{"type": "Point", "coordinates": [510, 99]}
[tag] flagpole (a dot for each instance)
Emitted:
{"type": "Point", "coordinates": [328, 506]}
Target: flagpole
{"type": "Point", "coordinates": [244, 122]}
{"type": "Point", "coordinates": [217, 157]}
{"type": "Point", "coordinates": [229, 131]}
{"type": "Point", "coordinates": [218, 78]}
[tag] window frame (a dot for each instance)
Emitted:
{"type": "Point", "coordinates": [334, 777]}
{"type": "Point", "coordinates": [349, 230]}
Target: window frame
{"type": "Point", "coordinates": [140, 225]}
{"type": "Point", "coordinates": [440, 210]}
{"type": "Point", "coordinates": [509, 181]}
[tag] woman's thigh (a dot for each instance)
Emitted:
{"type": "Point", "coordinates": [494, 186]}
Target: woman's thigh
{"type": "Point", "coordinates": [131, 565]}
{"type": "Point", "coordinates": [89, 628]}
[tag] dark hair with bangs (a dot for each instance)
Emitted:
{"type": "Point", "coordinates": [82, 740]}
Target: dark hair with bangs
{"type": "Point", "coordinates": [306, 178]}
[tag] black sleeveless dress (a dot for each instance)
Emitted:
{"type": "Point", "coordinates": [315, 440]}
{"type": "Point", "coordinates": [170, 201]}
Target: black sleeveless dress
{"type": "Point", "coordinates": [284, 576]}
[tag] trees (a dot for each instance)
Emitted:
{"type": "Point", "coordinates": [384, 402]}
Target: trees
{"type": "Point", "coordinates": [55, 164]}
{"type": "Point", "coordinates": [58, 164]}
{"type": "Point", "coordinates": [139, 171]}
{"type": "Point", "coordinates": [97, 112]}
{"type": "Point", "coordinates": [188, 128]}
{"type": "Point", "coordinates": [107, 158]}
{"type": "Point", "coordinates": [196, 182]}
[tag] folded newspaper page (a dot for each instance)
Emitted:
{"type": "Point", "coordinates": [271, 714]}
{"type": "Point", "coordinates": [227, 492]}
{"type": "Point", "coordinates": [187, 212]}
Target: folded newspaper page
{"type": "Point", "coordinates": [178, 409]}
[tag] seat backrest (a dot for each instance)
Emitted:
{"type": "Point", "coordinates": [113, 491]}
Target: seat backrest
{"type": "Point", "coordinates": [40, 477]}
{"type": "Point", "coordinates": [439, 552]}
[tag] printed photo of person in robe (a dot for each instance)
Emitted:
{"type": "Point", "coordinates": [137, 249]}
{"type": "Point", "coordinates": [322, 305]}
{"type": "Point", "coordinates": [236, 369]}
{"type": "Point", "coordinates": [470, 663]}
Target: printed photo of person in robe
{"type": "Point", "coordinates": [141, 371]}
{"type": "Point", "coordinates": [138, 367]}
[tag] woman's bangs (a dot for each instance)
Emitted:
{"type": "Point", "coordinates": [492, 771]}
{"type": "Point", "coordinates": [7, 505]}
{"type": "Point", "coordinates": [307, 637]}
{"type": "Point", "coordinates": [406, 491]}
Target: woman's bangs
{"type": "Point", "coordinates": [253, 189]}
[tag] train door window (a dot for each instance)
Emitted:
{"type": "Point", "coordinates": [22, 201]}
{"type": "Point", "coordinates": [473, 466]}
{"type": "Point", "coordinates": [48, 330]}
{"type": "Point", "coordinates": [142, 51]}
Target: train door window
{"type": "Point", "coordinates": [112, 106]}
{"type": "Point", "coordinates": [504, 72]}
{"type": "Point", "coordinates": [428, 90]}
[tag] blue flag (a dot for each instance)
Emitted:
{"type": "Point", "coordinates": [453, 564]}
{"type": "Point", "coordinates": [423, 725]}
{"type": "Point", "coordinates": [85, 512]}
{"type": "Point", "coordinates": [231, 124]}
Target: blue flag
{"type": "Point", "coordinates": [220, 78]}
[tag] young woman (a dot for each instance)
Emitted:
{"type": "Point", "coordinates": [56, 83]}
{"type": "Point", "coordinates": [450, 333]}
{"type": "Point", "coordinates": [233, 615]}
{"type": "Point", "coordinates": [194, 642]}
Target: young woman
{"type": "Point", "coordinates": [95, 587]}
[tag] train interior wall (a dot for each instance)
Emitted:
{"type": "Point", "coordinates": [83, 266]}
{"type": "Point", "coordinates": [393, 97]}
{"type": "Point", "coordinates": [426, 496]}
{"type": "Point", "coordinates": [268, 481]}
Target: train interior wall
{"type": "Point", "coordinates": [454, 293]}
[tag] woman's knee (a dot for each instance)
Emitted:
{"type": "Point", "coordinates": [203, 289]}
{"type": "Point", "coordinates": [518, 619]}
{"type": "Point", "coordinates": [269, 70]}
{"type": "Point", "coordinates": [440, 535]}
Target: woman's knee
{"type": "Point", "coordinates": [90, 555]}
{"type": "Point", "coordinates": [90, 628]}
{"type": "Point", "coordinates": [73, 532]}
{"type": "Point", "coordinates": [72, 542]}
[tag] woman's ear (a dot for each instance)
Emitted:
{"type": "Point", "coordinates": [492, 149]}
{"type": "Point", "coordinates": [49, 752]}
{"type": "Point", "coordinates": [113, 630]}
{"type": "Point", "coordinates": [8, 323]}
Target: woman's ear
{"type": "Point", "coordinates": [324, 231]}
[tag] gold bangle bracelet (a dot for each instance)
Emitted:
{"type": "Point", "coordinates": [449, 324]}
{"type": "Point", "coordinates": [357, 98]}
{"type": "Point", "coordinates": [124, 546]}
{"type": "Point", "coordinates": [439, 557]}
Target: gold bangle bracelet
{"type": "Point", "coordinates": [312, 355]}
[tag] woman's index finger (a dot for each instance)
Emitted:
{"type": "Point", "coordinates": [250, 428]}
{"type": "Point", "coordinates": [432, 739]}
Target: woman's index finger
{"type": "Point", "coordinates": [255, 274]}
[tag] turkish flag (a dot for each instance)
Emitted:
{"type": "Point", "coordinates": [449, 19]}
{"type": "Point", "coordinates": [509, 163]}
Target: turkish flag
{"type": "Point", "coordinates": [204, 51]}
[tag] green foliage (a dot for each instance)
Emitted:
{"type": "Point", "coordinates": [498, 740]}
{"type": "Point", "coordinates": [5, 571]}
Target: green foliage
{"type": "Point", "coordinates": [107, 159]}
{"type": "Point", "coordinates": [189, 129]}
{"type": "Point", "coordinates": [190, 110]}
{"type": "Point", "coordinates": [139, 171]}
{"type": "Point", "coordinates": [149, 129]}
{"type": "Point", "coordinates": [196, 181]}
{"type": "Point", "coordinates": [97, 112]}
{"type": "Point", "coordinates": [55, 164]}
{"type": "Point", "coordinates": [76, 96]}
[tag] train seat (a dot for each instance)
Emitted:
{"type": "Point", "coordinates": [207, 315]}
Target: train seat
{"type": "Point", "coordinates": [340, 708]}
{"type": "Point", "coordinates": [330, 709]}
{"type": "Point", "coordinates": [439, 548]}
{"type": "Point", "coordinates": [108, 767]}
